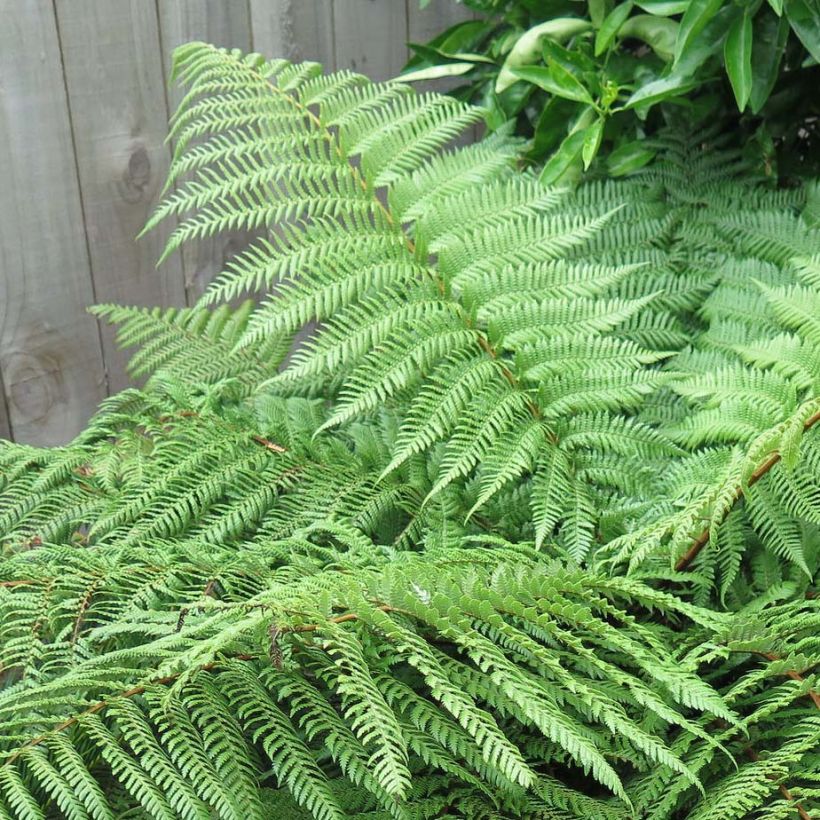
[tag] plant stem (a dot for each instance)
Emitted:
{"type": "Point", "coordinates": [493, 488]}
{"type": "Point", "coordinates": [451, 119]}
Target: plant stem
{"type": "Point", "coordinates": [685, 561]}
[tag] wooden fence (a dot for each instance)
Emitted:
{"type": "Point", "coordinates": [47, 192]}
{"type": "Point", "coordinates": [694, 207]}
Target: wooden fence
{"type": "Point", "coordinates": [84, 105]}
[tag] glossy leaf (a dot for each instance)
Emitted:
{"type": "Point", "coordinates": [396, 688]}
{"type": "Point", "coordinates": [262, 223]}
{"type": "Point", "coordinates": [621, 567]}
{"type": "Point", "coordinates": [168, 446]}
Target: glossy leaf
{"type": "Point", "coordinates": [770, 36]}
{"type": "Point", "coordinates": [592, 142]}
{"type": "Point", "coordinates": [664, 8]}
{"type": "Point", "coordinates": [709, 41]}
{"type": "Point", "coordinates": [737, 53]}
{"type": "Point", "coordinates": [611, 26]}
{"type": "Point", "coordinates": [567, 154]}
{"type": "Point", "coordinates": [597, 11]}
{"type": "Point", "coordinates": [436, 71]}
{"type": "Point", "coordinates": [573, 59]}
{"type": "Point", "coordinates": [551, 126]}
{"type": "Point", "coordinates": [659, 33]}
{"type": "Point", "coordinates": [528, 45]}
{"type": "Point", "coordinates": [454, 40]}
{"type": "Point", "coordinates": [804, 16]}
{"type": "Point", "coordinates": [662, 89]}
{"type": "Point", "coordinates": [626, 159]}
{"type": "Point", "coordinates": [698, 14]}
{"type": "Point", "coordinates": [555, 80]}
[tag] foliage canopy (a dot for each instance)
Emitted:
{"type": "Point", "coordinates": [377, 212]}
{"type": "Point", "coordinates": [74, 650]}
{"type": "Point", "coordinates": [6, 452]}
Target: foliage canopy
{"type": "Point", "coordinates": [579, 77]}
{"type": "Point", "coordinates": [527, 529]}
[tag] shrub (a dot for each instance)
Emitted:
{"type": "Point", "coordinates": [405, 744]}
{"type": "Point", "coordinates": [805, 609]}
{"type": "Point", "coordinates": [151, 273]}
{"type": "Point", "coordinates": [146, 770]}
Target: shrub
{"type": "Point", "coordinates": [579, 77]}
{"type": "Point", "coordinates": [526, 529]}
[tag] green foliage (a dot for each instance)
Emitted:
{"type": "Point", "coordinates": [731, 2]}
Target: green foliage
{"type": "Point", "coordinates": [579, 76]}
{"type": "Point", "coordinates": [527, 527]}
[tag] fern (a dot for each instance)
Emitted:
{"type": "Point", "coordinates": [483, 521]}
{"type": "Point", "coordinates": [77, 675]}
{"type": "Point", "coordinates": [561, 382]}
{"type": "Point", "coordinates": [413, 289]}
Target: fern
{"type": "Point", "coordinates": [525, 526]}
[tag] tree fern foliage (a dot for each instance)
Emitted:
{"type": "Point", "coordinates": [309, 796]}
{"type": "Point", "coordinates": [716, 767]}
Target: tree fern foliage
{"type": "Point", "coordinates": [526, 526]}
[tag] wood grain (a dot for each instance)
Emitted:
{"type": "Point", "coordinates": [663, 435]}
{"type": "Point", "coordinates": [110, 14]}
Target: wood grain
{"type": "Point", "coordinates": [371, 36]}
{"type": "Point", "coordinates": [50, 355]}
{"type": "Point", "coordinates": [84, 104]}
{"type": "Point", "coordinates": [425, 23]}
{"type": "Point", "coordinates": [115, 85]}
{"type": "Point", "coordinates": [5, 427]}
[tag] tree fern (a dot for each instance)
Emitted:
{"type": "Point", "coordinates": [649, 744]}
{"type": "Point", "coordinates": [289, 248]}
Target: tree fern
{"type": "Point", "coordinates": [525, 527]}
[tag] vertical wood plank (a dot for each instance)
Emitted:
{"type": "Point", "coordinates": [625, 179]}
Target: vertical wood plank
{"type": "Point", "coordinates": [294, 29]}
{"type": "Point", "coordinates": [271, 27]}
{"type": "Point", "coordinates": [424, 24]}
{"type": "Point", "coordinates": [224, 23]}
{"type": "Point", "coordinates": [371, 36]}
{"type": "Point", "coordinates": [50, 353]}
{"type": "Point", "coordinates": [5, 427]}
{"type": "Point", "coordinates": [116, 95]}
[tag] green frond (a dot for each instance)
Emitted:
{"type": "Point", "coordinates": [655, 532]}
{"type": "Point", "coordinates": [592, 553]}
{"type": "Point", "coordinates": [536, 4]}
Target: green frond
{"type": "Point", "coordinates": [495, 500]}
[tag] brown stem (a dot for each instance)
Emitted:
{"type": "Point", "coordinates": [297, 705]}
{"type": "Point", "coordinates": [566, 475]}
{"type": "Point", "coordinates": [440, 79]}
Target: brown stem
{"type": "Point", "coordinates": [815, 698]}
{"type": "Point", "coordinates": [685, 561]}
{"type": "Point", "coordinates": [483, 342]}
{"type": "Point", "coordinates": [270, 445]}
{"type": "Point", "coordinates": [164, 681]}
{"type": "Point", "coordinates": [804, 815]}
{"type": "Point", "coordinates": [796, 676]}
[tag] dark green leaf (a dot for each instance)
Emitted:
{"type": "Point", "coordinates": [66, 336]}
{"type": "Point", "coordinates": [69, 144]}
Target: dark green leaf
{"type": "Point", "coordinates": [698, 14]}
{"type": "Point", "coordinates": [597, 11]}
{"type": "Point", "coordinates": [528, 45]}
{"type": "Point", "coordinates": [659, 33]}
{"type": "Point", "coordinates": [555, 80]}
{"type": "Point", "coordinates": [709, 40]}
{"type": "Point", "coordinates": [456, 39]}
{"type": "Point", "coordinates": [628, 158]}
{"type": "Point", "coordinates": [572, 59]}
{"type": "Point", "coordinates": [738, 55]}
{"type": "Point", "coordinates": [437, 55]}
{"type": "Point", "coordinates": [592, 141]}
{"type": "Point", "coordinates": [804, 16]}
{"type": "Point", "coordinates": [658, 90]}
{"type": "Point", "coordinates": [770, 35]}
{"type": "Point", "coordinates": [610, 27]}
{"type": "Point", "coordinates": [551, 126]}
{"type": "Point", "coordinates": [664, 8]}
{"type": "Point", "coordinates": [562, 160]}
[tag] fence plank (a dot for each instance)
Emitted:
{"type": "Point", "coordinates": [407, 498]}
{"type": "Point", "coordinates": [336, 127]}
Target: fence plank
{"type": "Point", "coordinates": [294, 30]}
{"type": "Point", "coordinates": [370, 36]}
{"type": "Point", "coordinates": [270, 26]}
{"type": "Point", "coordinates": [224, 23]}
{"type": "Point", "coordinates": [50, 353]}
{"type": "Point", "coordinates": [425, 23]}
{"type": "Point", "coordinates": [113, 75]}
{"type": "Point", "coordinates": [5, 428]}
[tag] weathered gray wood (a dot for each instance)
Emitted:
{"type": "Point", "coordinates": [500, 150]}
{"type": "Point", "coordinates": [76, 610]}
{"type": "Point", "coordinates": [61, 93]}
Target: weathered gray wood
{"type": "Point", "coordinates": [424, 24]}
{"type": "Point", "coordinates": [294, 29]}
{"type": "Point", "coordinates": [224, 23]}
{"type": "Point", "coordinates": [371, 36]}
{"type": "Point", "coordinates": [5, 427]}
{"type": "Point", "coordinates": [311, 33]}
{"type": "Point", "coordinates": [50, 353]}
{"type": "Point", "coordinates": [114, 80]}
{"type": "Point", "coordinates": [83, 112]}
{"type": "Point", "coordinates": [271, 26]}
